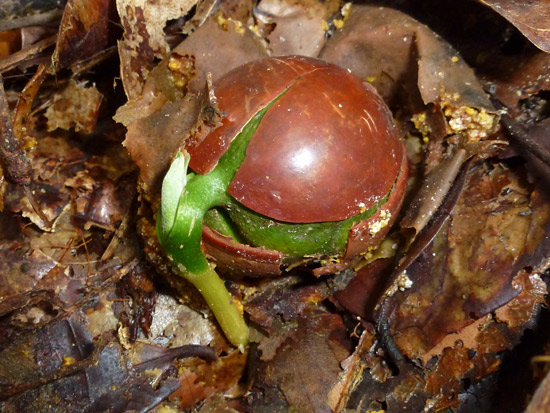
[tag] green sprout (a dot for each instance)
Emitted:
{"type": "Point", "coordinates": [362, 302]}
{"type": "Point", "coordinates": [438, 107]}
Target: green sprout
{"type": "Point", "coordinates": [186, 198]}
{"type": "Point", "coordinates": [190, 200]}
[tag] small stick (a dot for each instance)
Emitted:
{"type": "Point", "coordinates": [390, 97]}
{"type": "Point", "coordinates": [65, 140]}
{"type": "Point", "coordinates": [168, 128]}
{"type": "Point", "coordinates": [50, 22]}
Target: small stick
{"type": "Point", "coordinates": [49, 18]}
{"type": "Point", "coordinates": [36, 207]}
{"type": "Point", "coordinates": [16, 58]}
{"type": "Point", "coordinates": [26, 99]}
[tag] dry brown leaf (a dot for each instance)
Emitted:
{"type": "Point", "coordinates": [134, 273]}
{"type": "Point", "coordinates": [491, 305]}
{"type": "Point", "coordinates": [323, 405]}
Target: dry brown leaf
{"type": "Point", "coordinates": [531, 18]}
{"type": "Point", "coordinates": [10, 42]}
{"type": "Point", "coordinates": [191, 392]}
{"type": "Point", "coordinates": [161, 133]}
{"type": "Point", "coordinates": [296, 369]}
{"type": "Point", "coordinates": [217, 47]}
{"type": "Point", "coordinates": [353, 368]}
{"type": "Point", "coordinates": [144, 39]}
{"type": "Point", "coordinates": [161, 129]}
{"type": "Point", "coordinates": [520, 310]}
{"type": "Point", "coordinates": [20, 275]}
{"type": "Point", "coordinates": [445, 378]}
{"type": "Point", "coordinates": [54, 161]}
{"type": "Point", "coordinates": [86, 29]}
{"type": "Point", "coordinates": [380, 56]}
{"type": "Point", "coordinates": [281, 332]}
{"type": "Point", "coordinates": [432, 192]}
{"type": "Point", "coordinates": [381, 45]}
{"type": "Point", "coordinates": [224, 374]}
{"type": "Point", "coordinates": [494, 232]}
{"type": "Point", "coordinates": [75, 107]}
{"type": "Point", "coordinates": [296, 28]}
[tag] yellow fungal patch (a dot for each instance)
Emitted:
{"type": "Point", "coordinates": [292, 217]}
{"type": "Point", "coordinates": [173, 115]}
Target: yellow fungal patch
{"type": "Point", "coordinates": [382, 222]}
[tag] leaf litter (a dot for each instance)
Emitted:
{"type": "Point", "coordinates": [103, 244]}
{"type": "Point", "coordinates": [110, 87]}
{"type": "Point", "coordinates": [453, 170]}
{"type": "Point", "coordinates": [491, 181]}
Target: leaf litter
{"type": "Point", "coordinates": [86, 316]}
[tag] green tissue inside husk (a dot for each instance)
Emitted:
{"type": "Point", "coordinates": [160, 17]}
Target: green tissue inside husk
{"type": "Point", "coordinates": [296, 240]}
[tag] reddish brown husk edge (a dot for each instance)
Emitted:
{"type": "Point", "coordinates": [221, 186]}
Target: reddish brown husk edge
{"type": "Point", "coordinates": [239, 259]}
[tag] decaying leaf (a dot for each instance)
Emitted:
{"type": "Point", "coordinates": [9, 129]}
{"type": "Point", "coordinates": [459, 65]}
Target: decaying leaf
{"type": "Point", "coordinates": [87, 28]}
{"type": "Point", "coordinates": [212, 50]}
{"type": "Point", "coordinates": [534, 145]}
{"type": "Point", "coordinates": [16, 166]}
{"type": "Point", "coordinates": [12, 8]}
{"type": "Point", "coordinates": [219, 47]}
{"type": "Point", "coordinates": [381, 46]}
{"type": "Point", "coordinates": [190, 393]}
{"type": "Point", "coordinates": [520, 310]}
{"type": "Point", "coordinates": [87, 323]}
{"type": "Point", "coordinates": [144, 41]}
{"type": "Point", "coordinates": [22, 114]}
{"type": "Point", "coordinates": [531, 19]}
{"type": "Point", "coordinates": [9, 42]}
{"type": "Point", "coordinates": [296, 371]}
{"type": "Point", "coordinates": [518, 80]}
{"type": "Point", "coordinates": [496, 228]}
{"type": "Point", "coordinates": [295, 28]}
{"type": "Point", "coordinates": [49, 177]}
{"type": "Point", "coordinates": [143, 135]}
{"type": "Point", "coordinates": [221, 375]}
{"type": "Point", "coordinates": [361, 295]}
{"type": "Point", "coordinates": [75, 107]}
{"type": "Point", "coordinates": [434, 189]}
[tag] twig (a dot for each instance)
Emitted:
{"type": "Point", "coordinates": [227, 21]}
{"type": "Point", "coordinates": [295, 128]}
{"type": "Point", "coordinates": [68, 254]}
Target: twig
{"type": "Point", "coordinates": [26, 99]}
{"type": "Point", "coordinates": [50, 18]}
{"type": "Point", "coordinates": [14, 59]}
{"type": "Point", "coordinates": [36, 207]}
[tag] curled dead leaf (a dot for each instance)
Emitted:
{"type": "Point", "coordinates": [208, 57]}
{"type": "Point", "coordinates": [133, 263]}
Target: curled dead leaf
{"type": "Point", "coordinates": [530, 18]}
{"type": "Point", "coordinates": [295, 28]}
{"type": "Point", "coordinates": [430, 196]}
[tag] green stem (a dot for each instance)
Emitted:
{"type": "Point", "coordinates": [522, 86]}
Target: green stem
{"type": "Point", "coordinates": [185, 200]}
{"type": "Point", "coordinates": [221, 304]}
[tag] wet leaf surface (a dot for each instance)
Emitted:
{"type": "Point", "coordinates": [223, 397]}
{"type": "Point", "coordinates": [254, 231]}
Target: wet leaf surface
{"type": "Point", "coordinates": [470, 273]}
{"type": "Point", "coordinates": [296, 372]}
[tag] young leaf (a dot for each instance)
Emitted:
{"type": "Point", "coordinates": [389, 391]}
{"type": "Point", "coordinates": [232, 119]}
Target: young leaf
{"type": "Point", "coordinates": [173, 188]}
